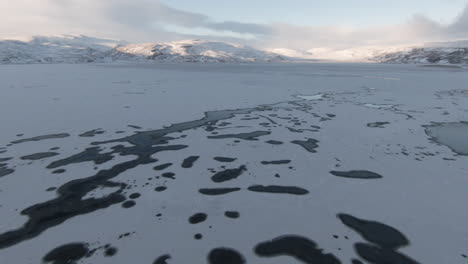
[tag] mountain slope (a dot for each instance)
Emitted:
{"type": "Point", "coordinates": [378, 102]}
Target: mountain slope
{"type": "Point", "coordinates": [81, 49]}
{"type": "Point", "coordinates": [433, 53]}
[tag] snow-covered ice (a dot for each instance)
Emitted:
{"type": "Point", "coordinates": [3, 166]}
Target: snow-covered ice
{"type": "Point", "coordinates": [122, 163]}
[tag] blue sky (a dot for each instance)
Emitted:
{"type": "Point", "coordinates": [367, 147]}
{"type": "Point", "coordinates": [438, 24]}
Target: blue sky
{"type": "Point", "coordinates": [359, 13]}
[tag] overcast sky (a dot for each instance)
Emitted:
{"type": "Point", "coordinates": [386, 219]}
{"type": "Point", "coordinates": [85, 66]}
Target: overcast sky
{"type": "Point", "coordinates": [298, 24]}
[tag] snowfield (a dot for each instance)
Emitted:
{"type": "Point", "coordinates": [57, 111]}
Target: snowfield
{"type": "Point", "coordinates": [233, 163]}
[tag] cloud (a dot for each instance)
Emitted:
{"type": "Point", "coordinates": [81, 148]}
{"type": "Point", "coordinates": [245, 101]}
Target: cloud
{"type": "Point", "coordinates": [151, 20]}
{"type": "Point", "coordinates": [460, 26]}
{"type": "Point", "coordinates": [135, 19]}
{"type": "Point", "coordinates": [416, 31]}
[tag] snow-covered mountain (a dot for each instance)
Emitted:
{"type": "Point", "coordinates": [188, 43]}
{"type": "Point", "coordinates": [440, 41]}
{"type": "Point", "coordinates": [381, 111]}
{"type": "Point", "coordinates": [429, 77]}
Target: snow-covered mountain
{"type": "Point", "coordinates": [62, 49]}
{"type": "Point", "coordinates": [82, 49]}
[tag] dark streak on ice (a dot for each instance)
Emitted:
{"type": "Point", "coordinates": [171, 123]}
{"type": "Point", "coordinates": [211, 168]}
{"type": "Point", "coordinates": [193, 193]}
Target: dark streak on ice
{"type": "Point", "coordinates": [278, 189]}
{"type": "Point", "coordinates": [229, 174]}
{"type": "Point", "coordinates": [274, 142]}
{"type": "Point", "coordinates": [4, 171]}
{"type": "Point", "coordinates": [39, 138]}
{"type": "Point", "coordinates": [224, 159]}
{"type": "Point", "coordinates": [298, 247]}
{"type": "Point", "coordinates": [245, 136]}
{"type": "Point", "coordinates": [276, 162]}
{"type": "Point", "coordinates": [38, 156]}
{"type": "Point", "coordinates": [162, 166]}
{"type": "Point", "coordinates": [357, 174]}
{"type": "Point", "coordinates": [218, 191]}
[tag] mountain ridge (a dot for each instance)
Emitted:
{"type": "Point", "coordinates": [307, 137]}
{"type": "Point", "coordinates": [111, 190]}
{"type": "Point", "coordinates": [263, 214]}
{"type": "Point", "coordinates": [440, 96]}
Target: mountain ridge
{"type": "Point", "coordinates": [83, 49]}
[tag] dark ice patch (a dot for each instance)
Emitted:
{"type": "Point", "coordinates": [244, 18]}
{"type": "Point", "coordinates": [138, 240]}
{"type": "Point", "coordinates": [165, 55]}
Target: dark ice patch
{"type": "Point", "coordinates": [278, 189]}
{"type": "Point", "coordinates": [252, 136]}
{"type": "Point", "coordinates": [188, 162]}
{"type": "Point", "coordinates": [134, 196]}
{"type": "Point", "coordinates": [128, 204]}
{"type": "Point", "coordinates": [376, 254]}
{"type": "Point", "coordinates": [162, 259]}
{"type": "Point", "coordinates": [92, 133]}
{"type": "Point", "coordinates": [160, 188]}
{"type": "Point", "coordinates": [297, 247]}
{"type": "Point", "coordinates": [386, 241]}
{"type": "Point", "coordinates": [162, 166]}
{"type": "Point", "coordinates": [225, 256]}
{"type": "Point", "coordinates": [198, 218]}
{"type": "Point", "coordinates": [218, 191]}
{"type": "Point", "coordinates": [38, 156]}
{"type": "Point", "coordinates": [67, 254]}
{"type": "Point", "coordinates": [39, 138]}
{"type": "Point", "coordinates": [110, 252]}
{"type": "Point", "coordinates": [232, 214]}
{"type": "Point", "coordinates": [169, 175]}
{"type": "Point", "coordinates": [375, 232]}
{"type": "Point", "coordinates": [4, 171]}
{"type": "Point", "coordinates": [229, 174]}
{"type": "Point", "coordinates": [310, 145]}
{"type": "Point", "coordinates": [357, 174]}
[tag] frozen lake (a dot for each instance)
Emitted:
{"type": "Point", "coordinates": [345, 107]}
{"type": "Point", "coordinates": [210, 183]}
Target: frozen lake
{"type": "Point", "coordinates": [224, 163]}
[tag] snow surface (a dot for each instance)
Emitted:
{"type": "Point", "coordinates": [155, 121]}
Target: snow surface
{"type": "Point", "coordinates": [422, 193]}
